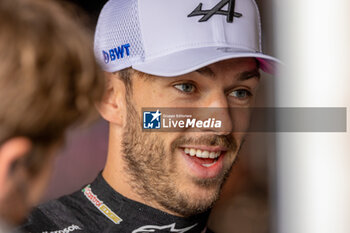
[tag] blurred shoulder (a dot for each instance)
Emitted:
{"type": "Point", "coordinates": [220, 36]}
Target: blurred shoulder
{"type": "Point", "coordinates": [56, 215]}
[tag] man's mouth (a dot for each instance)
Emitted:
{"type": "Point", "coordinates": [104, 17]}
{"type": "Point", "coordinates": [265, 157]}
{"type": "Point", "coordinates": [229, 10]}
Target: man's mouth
{"type": "Point", "coordinates": [204, 161]}
{"type": "Point", "coordinates": [206, 158]}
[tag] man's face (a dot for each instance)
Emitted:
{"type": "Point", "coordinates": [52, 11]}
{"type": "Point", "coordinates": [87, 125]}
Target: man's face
{"type": "Point", "coordinates": [166, 167]}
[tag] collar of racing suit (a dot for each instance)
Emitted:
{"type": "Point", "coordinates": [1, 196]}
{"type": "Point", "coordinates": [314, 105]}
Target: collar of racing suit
{"type": "Point", "coordinates": [123, 211]}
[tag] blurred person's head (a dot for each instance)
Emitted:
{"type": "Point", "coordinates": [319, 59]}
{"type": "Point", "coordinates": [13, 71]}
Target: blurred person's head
{"type": "Point", "coordinates": [48, 80]}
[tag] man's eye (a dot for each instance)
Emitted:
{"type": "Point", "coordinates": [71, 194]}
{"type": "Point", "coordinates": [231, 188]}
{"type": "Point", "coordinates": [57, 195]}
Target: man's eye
{"type": "Point", "coordinates": [185, 87]}
{"type": "Point", "coordinates": [240, 94]}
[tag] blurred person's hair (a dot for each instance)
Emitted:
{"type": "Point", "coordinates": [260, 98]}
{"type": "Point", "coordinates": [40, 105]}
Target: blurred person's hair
{"type": "Point", "coordinates": [49, 78]}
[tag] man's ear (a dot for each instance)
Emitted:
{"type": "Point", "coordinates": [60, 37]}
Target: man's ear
{"type": "Point", "coordinates": [11, 151]}
{"type": "Point", "coordinates": [113, 104]}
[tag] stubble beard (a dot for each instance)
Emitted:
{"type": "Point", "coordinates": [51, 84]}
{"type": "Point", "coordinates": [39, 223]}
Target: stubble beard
{"type": "Point", "coordinates": [146, 164]}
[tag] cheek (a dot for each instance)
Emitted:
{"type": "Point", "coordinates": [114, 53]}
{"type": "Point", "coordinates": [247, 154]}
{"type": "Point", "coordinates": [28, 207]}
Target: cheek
{"type": "Point", "coordinates": [168, 141]}
{"type": "Point", "coordinates": [240, 119]}
{"type": "Point", "coordinates": [150, 97]}
{"type": "Point", "coordinates": [239, 138]}
{"type": "Point", "coordinates": [145, 94]}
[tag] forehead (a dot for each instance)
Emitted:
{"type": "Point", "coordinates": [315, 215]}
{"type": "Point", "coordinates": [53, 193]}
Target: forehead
{"type": "Point", "coordinates": [230, 67]}
{"type": "Point", "coordinates": [237, 69]}
{"type": "Point", "coordinates": [234, 65]}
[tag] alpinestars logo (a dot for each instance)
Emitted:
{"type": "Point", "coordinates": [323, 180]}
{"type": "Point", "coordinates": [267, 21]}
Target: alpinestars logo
{"type": "Point", "coordinates": [69, 229]}
{"type": "Point", "coordinates": [168, 228]}
{"type": "Point", "coordinates": [217, 10]}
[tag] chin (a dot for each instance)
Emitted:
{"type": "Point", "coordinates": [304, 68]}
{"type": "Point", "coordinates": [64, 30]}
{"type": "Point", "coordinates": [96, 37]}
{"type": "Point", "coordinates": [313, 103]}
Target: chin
{"type": "Point", "coordinates": [206, 202]}
{"type": "Point", "coordinates": [198, 205]}
{"type": "Point", "coordinates": [200, 199]}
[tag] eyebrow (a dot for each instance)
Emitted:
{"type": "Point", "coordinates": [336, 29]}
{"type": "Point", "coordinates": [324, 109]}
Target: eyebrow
{"type": "Point", "coordinates": [249, 74]}
{"type": "Point", "coordinates": [206, 71]}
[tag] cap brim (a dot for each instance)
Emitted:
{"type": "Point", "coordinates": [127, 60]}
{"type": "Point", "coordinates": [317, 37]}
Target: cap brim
{"type": "Point", "coordinates": [189, 60]}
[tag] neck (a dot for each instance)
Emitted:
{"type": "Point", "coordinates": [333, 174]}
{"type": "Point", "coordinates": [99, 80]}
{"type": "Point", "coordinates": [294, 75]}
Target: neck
{"type": "Point", "coordinates": [116, 175]}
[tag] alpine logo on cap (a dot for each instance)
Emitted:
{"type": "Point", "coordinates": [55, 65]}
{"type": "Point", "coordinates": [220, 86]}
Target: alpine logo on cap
{"type": "Point", "coordinates": [217, 10]}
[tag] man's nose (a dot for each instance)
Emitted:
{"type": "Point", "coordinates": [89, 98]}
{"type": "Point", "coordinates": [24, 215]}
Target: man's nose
{"type": "Point", "coordinates": [217, 107]}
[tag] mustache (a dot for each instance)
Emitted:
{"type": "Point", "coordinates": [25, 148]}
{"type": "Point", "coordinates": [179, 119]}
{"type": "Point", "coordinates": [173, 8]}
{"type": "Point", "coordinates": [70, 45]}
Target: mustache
{"type": "Point", "coordinates": [209, 140]}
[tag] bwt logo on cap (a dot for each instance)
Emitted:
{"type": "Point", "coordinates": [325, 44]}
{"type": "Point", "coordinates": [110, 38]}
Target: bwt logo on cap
{"type": "Point", "coordinates": [152, 120]}
{"type": "Point", "coordinates": [116, 53]}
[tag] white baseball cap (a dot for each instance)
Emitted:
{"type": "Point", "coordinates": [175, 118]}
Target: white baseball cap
{"type": "Point", "coordinates": [175, 37]}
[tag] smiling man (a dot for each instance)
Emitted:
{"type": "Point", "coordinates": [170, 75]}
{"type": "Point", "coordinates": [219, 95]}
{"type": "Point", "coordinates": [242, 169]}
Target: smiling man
{"type": "Point", "coordinates": [200, 55]}
{"type": "Point", "coordinates": [181, 172]}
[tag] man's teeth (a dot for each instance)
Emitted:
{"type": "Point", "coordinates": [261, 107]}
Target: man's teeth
{"type": "Point", "coordinates": [210, 164]}
{"type": "Point", "coordinates": [202, 153]}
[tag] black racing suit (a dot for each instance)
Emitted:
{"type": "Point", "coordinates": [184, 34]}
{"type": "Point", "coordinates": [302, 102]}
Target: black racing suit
{"type": "Point", "coordinates": [98, 208]}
